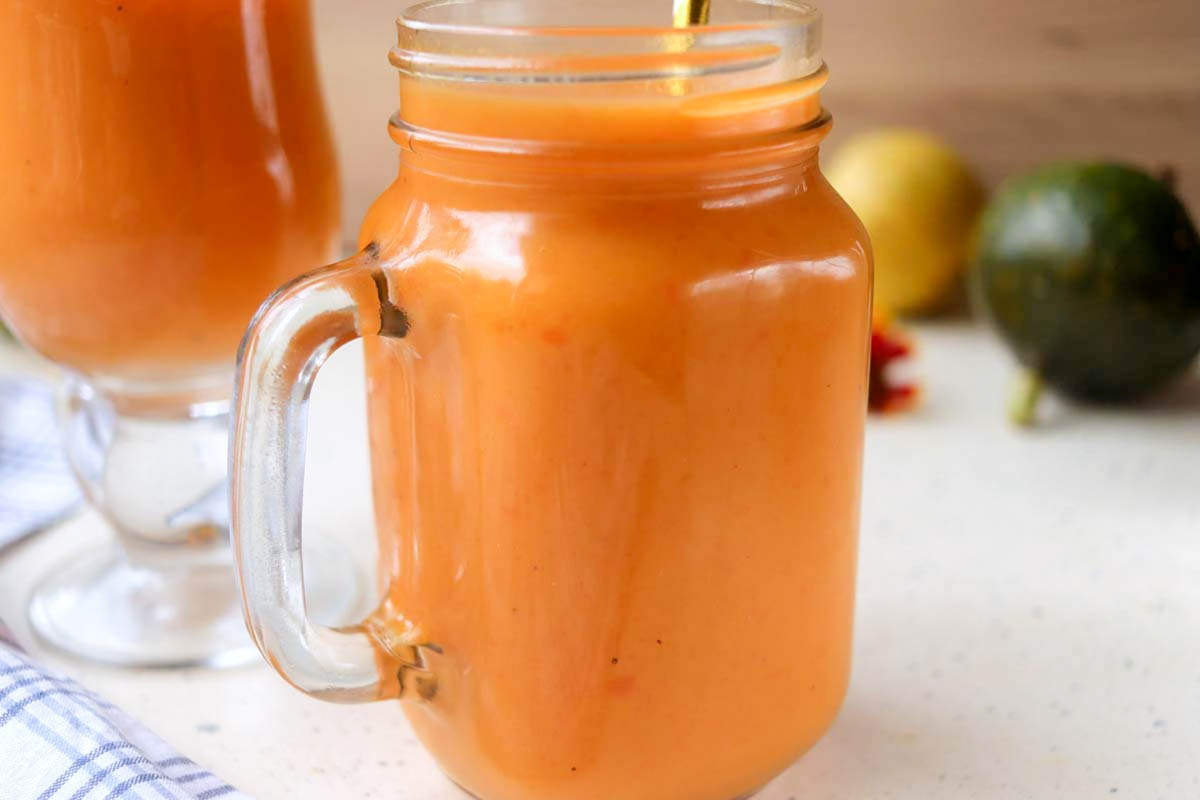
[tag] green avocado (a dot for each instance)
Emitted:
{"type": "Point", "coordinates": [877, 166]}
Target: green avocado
{"type": "Point", "coordinates": [1091, 273]}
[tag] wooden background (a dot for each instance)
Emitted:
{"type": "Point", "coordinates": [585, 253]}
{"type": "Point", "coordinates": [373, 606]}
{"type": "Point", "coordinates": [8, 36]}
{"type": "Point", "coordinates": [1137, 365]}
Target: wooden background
{"type": "Point", "coordinates": [1011, 83]}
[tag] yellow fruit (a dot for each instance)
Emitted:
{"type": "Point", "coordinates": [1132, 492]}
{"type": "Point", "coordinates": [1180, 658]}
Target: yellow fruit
{"type": "Point", "coordinates": [881, 315]}
{"type": "Point", "coordinates": [919, 201]}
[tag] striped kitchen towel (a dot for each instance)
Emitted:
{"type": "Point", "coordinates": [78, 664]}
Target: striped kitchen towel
{"type": "Point", "coordinates": [58, 741]}
{"type": "Point", "coordinates": [36, 485]}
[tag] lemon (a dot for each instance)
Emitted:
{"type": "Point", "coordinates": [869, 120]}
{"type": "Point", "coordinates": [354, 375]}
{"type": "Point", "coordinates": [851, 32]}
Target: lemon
{"type": "Point", "coordinates": [919, 202]}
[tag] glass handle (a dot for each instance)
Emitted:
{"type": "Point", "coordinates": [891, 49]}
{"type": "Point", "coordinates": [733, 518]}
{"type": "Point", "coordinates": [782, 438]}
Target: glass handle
{"type": "Point", "coordinates": [291, 336]}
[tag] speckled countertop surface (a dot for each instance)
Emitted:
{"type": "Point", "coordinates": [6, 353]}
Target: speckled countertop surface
{"type": "Point", "coordinates": [1028, 626]}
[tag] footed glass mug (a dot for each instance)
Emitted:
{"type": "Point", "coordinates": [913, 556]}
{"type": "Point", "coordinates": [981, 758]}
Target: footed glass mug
{"type": "Point", "coordinates": [167, 164]}
{"type": "Point", "coordinates": [616, 336]}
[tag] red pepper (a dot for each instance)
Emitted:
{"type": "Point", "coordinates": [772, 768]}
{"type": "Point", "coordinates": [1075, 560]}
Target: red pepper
{"type": "Point", "coordinates": [883, 395]}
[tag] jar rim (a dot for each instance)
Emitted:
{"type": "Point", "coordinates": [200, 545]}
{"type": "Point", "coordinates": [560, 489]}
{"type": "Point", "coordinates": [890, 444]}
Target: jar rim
{"type": "Point", "coordinates": [623, 41]}
{"type": "Point", "coordinates": [424, 16]}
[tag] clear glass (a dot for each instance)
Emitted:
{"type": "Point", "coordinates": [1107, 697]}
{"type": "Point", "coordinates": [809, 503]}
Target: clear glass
{"type": "Point", "coordinates": [616, 335]}
{"type": "Point", "coordinates": [168, 166]}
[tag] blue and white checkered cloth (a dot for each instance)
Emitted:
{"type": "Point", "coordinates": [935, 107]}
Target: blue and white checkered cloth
{"type": "Point", "coordinates": [36, 485]}
{"type": "Point", "coordinates": [59, 741]}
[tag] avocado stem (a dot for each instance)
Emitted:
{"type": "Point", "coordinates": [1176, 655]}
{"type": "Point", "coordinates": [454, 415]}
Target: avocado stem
{"type": "Point", "coordinates": [1022, 405]}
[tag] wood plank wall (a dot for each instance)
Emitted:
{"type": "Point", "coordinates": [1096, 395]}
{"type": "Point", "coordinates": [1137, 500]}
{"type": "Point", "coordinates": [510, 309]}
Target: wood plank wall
{"type": "Point", "coordinates": [1011, 83]}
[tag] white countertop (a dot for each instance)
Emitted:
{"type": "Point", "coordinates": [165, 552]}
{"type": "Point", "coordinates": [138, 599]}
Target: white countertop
{"type": "Point", "coordinates": [1028, 624]}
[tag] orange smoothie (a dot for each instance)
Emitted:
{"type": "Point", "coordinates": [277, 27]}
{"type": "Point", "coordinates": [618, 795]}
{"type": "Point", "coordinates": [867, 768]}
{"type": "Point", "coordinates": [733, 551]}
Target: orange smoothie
{"type": "Point", "coordinates": [167, 166]}
{"type": "Point", "coordinates": [616, 451]}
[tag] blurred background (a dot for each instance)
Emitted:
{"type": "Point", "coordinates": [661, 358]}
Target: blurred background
{"type": "Point", "coordinates": [1024, 596]}
{"type": "Point", "coordinates": [1009, 84]}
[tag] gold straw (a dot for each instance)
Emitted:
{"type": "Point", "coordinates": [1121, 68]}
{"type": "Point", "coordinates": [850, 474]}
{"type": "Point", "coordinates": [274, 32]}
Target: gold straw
{"type": "Point", "coordinates": [687, 14]}
{"type": "Point", "coordinates": [691, 12]}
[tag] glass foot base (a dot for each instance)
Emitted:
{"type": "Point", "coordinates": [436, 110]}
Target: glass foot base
{"type": "Point", "coordinates": [100, 607]}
